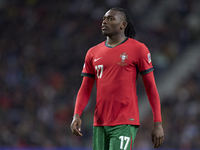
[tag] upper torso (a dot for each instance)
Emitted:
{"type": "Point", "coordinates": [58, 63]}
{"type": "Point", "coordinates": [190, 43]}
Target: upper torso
{"type": "Point", "coordinates": [115, 70]}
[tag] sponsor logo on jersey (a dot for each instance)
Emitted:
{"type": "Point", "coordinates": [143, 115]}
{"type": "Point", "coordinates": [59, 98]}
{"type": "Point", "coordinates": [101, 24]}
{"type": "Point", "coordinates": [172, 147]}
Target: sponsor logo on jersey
{"type": "Point", "coordinates": [97, 59]}
{"type": "Point", "coordinates": [123, 58]}
{"type": "Point", "coordinates": [149, 57]}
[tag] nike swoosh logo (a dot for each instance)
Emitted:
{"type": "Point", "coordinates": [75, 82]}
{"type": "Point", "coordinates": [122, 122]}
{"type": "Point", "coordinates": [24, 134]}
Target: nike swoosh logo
{"type": "Point", "coordinates": [97, 59]}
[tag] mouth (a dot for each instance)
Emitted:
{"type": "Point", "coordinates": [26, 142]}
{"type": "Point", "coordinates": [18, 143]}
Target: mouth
{"type": "Point", "coordinates": [103, 27]}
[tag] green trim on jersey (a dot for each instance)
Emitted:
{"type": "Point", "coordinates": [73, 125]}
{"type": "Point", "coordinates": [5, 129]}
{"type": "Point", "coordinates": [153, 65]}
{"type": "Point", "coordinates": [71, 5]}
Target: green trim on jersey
{"type": "Point", "coordinates": [120, 137]}
{"type": "Point", "coordinates": [146, 71]}
{"type": "Point", "coordinates": [88, 75]}
{"type": "Point", "coordinates": [117, 44]}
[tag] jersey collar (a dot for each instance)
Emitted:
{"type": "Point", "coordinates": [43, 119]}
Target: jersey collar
{"type": "Point", "coordinates": [117, 44]}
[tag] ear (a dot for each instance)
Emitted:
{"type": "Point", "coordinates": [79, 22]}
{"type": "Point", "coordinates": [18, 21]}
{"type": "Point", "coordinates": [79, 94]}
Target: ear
{"type": "Point", "coordinates": [123, 25]}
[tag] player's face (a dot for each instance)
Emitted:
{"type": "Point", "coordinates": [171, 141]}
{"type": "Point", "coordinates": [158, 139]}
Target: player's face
{"type": "Point", "coordinates": [113, 23]}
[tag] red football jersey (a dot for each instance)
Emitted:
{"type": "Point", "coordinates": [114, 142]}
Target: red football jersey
{"type": "Point", "coordinates": [115, 70]}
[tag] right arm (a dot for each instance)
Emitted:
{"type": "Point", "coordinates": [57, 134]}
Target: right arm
{"type": "Point", "coordinates": [81, 101]}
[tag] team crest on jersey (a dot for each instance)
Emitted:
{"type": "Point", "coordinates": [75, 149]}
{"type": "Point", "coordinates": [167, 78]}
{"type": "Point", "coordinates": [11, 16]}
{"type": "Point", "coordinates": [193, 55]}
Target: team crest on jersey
{"type": "Point", "coordinates": [123, 57]}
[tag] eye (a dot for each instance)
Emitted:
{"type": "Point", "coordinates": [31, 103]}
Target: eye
{"type": "Point", "coordinates": [111, 18]}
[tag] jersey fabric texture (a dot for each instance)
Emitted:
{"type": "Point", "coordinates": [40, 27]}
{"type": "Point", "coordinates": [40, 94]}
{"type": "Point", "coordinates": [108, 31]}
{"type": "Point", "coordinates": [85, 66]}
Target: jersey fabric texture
{"type": "Point", "coordinates": [115, 70]}
{"type": "Point", "coordinates": [119, 137]}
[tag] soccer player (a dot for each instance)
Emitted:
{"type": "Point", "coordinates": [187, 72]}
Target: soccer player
{"type": "Point", "coordinates": [115, 64]}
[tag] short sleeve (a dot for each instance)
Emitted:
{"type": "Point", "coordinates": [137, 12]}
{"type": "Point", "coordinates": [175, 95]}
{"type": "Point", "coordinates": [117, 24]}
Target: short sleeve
{"type": "Point", "coordinates": [144, 60]}
{"type": "Point", "coordinates": [88, 69]}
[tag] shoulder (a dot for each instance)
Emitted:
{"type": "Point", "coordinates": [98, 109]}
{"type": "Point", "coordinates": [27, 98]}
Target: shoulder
{"type": "Point", "coordinates": [96, 47]}
{"type": "Point", "coordinates": [93, 50]}
{"type": "Point", "coordinates": [136, 43]}
{"type": "Point", "coordinates": [141, 47]}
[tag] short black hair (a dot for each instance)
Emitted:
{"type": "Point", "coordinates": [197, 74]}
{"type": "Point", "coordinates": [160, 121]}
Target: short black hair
{"type": "Point", "coordinates": [129, 30]}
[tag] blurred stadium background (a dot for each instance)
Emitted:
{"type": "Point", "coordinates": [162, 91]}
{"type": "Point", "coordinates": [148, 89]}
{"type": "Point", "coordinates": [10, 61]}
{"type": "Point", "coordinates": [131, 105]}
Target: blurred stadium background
{"type": "Point", "coordinates": [42, 48]}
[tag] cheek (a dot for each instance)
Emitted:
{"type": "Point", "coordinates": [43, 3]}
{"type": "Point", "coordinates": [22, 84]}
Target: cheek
{"type": "Point", "coordinates": [116, 27]}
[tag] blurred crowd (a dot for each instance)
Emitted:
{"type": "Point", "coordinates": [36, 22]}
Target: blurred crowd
{"type": "Point", "coordinates": [42, 48]}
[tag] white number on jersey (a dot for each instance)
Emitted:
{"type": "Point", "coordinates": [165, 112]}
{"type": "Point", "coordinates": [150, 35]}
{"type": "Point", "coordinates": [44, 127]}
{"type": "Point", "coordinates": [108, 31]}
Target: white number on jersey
{"type": "Point", "coordinates": [99, 69]}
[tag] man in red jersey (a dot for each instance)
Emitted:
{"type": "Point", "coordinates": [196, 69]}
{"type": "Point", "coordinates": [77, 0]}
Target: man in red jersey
{"type": "Point", "coordinates": [114, 64]}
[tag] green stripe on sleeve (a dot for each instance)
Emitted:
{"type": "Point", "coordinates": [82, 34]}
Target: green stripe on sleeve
{"type": "Point", "coordinates": [88, 75]}
{"type": "Point", "coordinates": [146, 71]}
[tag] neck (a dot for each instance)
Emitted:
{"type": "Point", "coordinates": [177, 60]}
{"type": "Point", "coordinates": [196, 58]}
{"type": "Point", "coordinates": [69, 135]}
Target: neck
{"type": "Point", "coordinates": [115, 40]}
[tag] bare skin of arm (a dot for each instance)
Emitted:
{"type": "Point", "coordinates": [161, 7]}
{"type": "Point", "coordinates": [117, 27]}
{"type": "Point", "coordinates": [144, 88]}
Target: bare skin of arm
{"type": "Point", "coordinates": [76, 125]}
{"type": "Point", "coordinates": [157, 134]}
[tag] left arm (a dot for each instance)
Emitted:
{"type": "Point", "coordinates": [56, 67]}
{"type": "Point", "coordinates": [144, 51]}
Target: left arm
{"type": "Point", "coordinates": [154, 100]}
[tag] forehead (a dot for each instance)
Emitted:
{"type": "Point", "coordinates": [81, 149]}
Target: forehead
{"type": "Point", "coordinates": [113, 13]}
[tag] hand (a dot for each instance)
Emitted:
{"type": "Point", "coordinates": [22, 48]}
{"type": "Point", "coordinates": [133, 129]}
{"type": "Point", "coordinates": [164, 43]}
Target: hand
{"type": "Point", "coordinates": [157, 134]}
{"type": "Point", "coordinates": [76, 125]}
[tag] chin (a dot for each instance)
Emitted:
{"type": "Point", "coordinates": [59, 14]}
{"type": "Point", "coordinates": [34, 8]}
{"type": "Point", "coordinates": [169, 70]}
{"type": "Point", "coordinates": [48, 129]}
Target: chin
{"type": "Point", "coordinates": [105, 33]}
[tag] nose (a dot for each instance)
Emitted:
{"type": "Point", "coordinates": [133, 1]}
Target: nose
{"type": "Point", "coordinates": [105, 21]}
